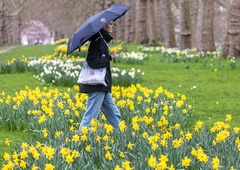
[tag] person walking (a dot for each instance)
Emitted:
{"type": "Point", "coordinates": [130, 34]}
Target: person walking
{"type": "Point", "coordinates": [99, 96]}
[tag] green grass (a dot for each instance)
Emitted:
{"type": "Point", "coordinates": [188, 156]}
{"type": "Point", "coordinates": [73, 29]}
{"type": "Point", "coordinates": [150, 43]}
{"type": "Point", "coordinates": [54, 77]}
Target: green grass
{"type": "Point", "coordinates": [216, 93]}
{"type": "Point", "coordinates": [13, 137]}
{"type": "Point", "coordinates": [10, 83]}
{"type": "Point", "coordinates": [27, 51]}
{"type": "Point", "coordinates": [4, 47]}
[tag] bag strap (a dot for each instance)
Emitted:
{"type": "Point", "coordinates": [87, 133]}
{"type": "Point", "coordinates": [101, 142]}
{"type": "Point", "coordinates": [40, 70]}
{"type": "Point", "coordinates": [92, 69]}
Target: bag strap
{"type": "Point", "coordinates": [104, 41]}
{"type": "Point", "coordinates": [109, 51]}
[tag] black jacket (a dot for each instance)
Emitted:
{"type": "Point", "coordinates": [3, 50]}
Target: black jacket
{"type": "Point", "coordinates": [99, 57]}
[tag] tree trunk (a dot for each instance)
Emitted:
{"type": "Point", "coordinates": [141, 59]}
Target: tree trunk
{"type": "Point", "coordinates": [129, 26]}
{"type": "Point", "coordinates": [19, 22]}
{"type": "Point", "coordinates": [231, 46]}
{"type": "Point", "coordinates": [168, 22]}
{"type": "Point", "coordinates": [3, 24]}
{"type": "Point", "coordinates": [185, 25]}
{"type": "Point", "coordinates": [151, 22]}
{"type": "Point", "coordinates": [205, 40]}
{"type": "Point", "coordinates": [119, 29]}
{"type": "Point", "coordinates": [141, 22]}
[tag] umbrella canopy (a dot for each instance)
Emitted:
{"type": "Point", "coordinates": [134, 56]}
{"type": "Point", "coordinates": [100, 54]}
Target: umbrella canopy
{"type": "Point", "coordinates": [93, 24]}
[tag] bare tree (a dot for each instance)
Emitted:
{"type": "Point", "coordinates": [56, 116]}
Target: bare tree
{"type": "Point", "coordinates": [128, 22]}
{"type": "Point", "coordinates": [152, 22]}
{"type": "Point", "coordinates": [205, 38]}
{"type": "Point", "coordinates": [10, 22]}
{"type": "Point", "coordinates": [148, 22]}
{"type": "Point", "coordinates": [231, 45]}
{"type": "Point", "coordinates": [185, 25]}
{"type": "Point", "coordinates": [141, 22]}
{"type": "Point", "coordinates": [3, 29]}
{"type": "Point", "coordinates": [119, 27]}
{"type": "Point", "coordinates": [168, 22]}
{"type": "Point", "coordinates": [194, 16]}
{"type": "Point", "coordinates": [16, 20]}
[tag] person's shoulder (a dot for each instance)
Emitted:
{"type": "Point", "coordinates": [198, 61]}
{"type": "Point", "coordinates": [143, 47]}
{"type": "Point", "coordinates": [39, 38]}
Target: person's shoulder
{"type": "Point", "coordinates": [98, 38]}
{"type": "Point", "coordinates": [98, 41]}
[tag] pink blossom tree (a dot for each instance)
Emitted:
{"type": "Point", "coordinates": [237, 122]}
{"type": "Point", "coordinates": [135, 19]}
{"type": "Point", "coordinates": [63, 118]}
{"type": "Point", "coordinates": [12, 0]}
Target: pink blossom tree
{"type": "Point", "coordinates": [36, 32]}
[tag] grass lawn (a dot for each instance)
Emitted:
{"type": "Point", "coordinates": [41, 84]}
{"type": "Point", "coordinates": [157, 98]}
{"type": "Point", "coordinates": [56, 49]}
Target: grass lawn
{"type": "Point", "coordinates": [212, 94]}
{"type": "Point", "coordinates": [12, 136]}
{"type": "Point", "coordinates": [27, 51]}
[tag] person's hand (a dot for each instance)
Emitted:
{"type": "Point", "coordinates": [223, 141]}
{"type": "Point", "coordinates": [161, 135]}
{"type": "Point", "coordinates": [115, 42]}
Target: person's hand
{"type": "Point", "coordinates": [113, 55]}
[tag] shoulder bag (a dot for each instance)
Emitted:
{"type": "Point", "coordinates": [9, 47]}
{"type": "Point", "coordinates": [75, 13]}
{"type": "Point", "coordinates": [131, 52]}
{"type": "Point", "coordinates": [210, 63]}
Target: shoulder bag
{"type": "Point", "coordinates": [92, 76]}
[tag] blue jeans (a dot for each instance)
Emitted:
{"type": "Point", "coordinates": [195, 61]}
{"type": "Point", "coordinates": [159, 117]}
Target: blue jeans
{"type": "Point", "coordinates": [101, 100]}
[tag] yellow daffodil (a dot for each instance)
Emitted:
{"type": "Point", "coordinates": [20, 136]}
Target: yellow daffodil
{"type": "Point", "coordinates": [186, 162]}
{"type": "Point", "coordinates": [23, 164]}
{"type": "Point", "coordinates": [7, 142]}
{"type": "Point", "coordinates": [122, 155]}
{"type": "Point", "coordinates": [177, 142]}
{"type": "Point", "coordinates": [23, 154]}
{"type": "Point", "coordinates": [215, 163]}
{"type": "Point", "coordinates": [152, 161]}
{"type": "Point", "coordinates": [105, 137]}
{"type": "Point", "coordinates": [108, 156]}
{"type": "Point", "coordinates": [130, 146]}
{"type": "Point", "coordinates": [84, 130]}
{"type": "Point", "coordinates": [64, 151]}
{"type": "Point", "coordinates": [6, 156]}
{"type": "Point", "coordinates": [49, 167]}
{"type": "Point", "coordinates": [198, 126]}
{"type": "Point", "coordinates": [117, 167]}
{"type": "Point", "coordinates": [228, 118]}
{"type": "Point", "coordinates": [34, 167]}
{"type": "Point", "coordinates": [163, 158]}
{"type": "Point", "coordinates": [48, 151]}
{"type": "Point", "coordinates": [126, 165]}
{"type": "Point", "coordinates": [108, 128]}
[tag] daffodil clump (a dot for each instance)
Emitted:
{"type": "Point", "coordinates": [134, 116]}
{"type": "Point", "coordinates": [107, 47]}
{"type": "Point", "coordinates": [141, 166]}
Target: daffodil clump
{"type": "Point", "coordinates": [60, 69]}
{"type": "Point", "coordinates": [151, 49]}
{"type": "Point", "coordinates": [61, 49]}
{"type": "Point", "coordinates": [126, 77]}
{"type": "Point", "coordinates": [154, 133]}
{"type": "Point", "coordinates": [117, 46]}
{"type": "Point", "coordinates": [61, 41]}
{"type": "Point", "coordinates": [211, 60]}
{"type": "Point", "coordinates": [233, 63]}
{"type": "Point", "coordinates": [56, 71]}
{"type": "Point", "coordinates": [132, 57]}
{"type": "Point", "coordinates": [177, 55]}
{"type": "Point", "coordinates": [14, 65]}
{"type": "Point", "coordinates": [64, 71]}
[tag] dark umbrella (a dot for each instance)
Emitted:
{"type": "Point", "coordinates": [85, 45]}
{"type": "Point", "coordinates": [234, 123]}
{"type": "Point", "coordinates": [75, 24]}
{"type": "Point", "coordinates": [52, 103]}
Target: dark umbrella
{"type": "Point", "coordinates": [93, 24]}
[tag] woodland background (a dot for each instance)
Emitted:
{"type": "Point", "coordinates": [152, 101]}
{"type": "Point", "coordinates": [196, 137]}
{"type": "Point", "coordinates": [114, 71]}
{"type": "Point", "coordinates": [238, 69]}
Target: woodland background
{"type": "Point", "coordinates": [201, 24]}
